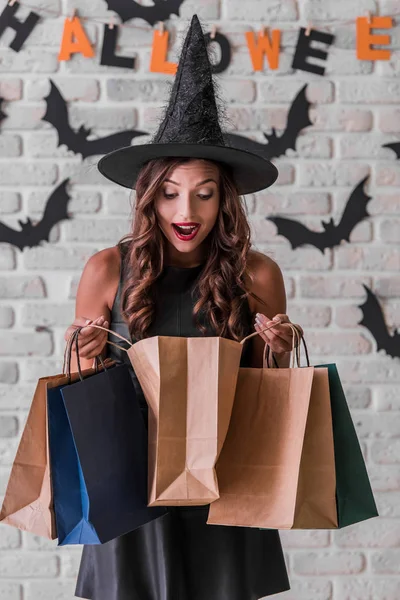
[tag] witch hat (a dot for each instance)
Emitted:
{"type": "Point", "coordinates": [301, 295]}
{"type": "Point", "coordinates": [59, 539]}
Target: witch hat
{"type": "Point", "coordinates": [190, 127]}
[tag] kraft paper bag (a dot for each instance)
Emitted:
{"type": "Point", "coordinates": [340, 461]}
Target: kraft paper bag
{"type": "Point", "coordinates": [316, 489]}
{"type": "Point", "coordinates": [354, 498]}
{"type": "Point", "coordinates": [189, 385]}
{"type": "Point", "coordinates": [277, 469]}
{"type": "Point", "coordinates": [259, 466]}
{"type": "Point", "coordinates": [28, 501]}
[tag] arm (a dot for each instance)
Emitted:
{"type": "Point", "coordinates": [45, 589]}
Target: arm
{"type": "Point", "coordinates": [95, 295]}
{"type": "Point", "coordinates": [269, 286]}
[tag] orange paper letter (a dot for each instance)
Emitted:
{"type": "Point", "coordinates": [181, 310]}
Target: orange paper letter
{"type": "Point", "coordinates": [74, 40]}
{"type": "Point", "coordinates": [158, 61]}
{"type": "Point", "coordinates": [262, 46]}
{"type": "Point", "coordinates": [365, 38]}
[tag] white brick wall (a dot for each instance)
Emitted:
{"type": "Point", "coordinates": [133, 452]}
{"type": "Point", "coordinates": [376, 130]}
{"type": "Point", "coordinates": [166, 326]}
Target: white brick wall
{"type": "Point", "coordinates": [354, 113]}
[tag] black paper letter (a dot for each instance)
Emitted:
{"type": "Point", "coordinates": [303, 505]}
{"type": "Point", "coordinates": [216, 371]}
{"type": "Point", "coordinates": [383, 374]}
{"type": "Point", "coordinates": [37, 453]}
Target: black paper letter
{"type": "Point", "coordinates": [225, 48]}
{"type": "Point", "coordinates": [108, 56]}
{"type": "Point", "coordinates": [304, 49]}
{"type": "Point", "coordinates": [23, 28]}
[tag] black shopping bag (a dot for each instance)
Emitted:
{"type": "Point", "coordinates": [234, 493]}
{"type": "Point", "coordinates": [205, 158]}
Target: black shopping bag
{"type": "Point", "coordinates": [110, 438]}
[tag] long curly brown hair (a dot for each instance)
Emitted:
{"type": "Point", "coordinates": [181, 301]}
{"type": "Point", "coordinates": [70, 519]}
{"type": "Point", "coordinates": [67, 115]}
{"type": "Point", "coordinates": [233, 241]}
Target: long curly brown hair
{"type": "Point", "coordinates": [223, 283]}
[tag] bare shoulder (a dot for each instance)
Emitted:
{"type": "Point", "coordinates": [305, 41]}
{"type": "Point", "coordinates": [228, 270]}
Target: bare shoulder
{"type": "Point", "coordinates": [262, 266]}
{"type": "Point", "coordinates": [267, 284]}
{"type": "Point", "coordinates": [100, 277]}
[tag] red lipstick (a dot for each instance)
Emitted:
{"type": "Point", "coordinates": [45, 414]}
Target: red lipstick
{"type": "Point", "coordinates": [186, 231]}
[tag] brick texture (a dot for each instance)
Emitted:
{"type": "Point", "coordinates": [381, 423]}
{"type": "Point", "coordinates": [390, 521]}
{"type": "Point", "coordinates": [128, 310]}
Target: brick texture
{"type": "Point", "coordinates": [354, 112]}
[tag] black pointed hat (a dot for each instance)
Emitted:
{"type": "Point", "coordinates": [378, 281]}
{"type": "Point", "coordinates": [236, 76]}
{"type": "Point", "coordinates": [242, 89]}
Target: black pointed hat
{"type": "Point", "coordinates": [191, 127]}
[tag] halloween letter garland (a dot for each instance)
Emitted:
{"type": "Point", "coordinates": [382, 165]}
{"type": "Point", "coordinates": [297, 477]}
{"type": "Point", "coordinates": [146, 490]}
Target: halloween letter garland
{"type": "Point", "coordinates": [57, 115]}
{"type": "Point", "coordinates": [298, 118]}
{"type": "Point", "coordinates": [300, 235]}
{"type": "Point", "coordinates": [31, 235]}
{"type": "Point", "coordinates": [373, 319]}
{"type": "Point", "coordinates": [23, 29]}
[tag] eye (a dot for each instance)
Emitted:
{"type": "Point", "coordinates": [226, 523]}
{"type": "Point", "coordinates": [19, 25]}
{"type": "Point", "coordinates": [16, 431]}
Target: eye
{"type": "Point", "coordinates": [205, 197]}
{"type": "Point", "coordinates": [169, 196]}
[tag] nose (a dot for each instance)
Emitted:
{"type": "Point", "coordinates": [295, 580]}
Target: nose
{"type": "Point", "coordinates": [186, 206]}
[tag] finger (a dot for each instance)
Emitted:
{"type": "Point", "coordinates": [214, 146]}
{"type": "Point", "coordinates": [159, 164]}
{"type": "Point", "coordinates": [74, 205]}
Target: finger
{"type": "Point", "coordinates": [277, 336]}
{"type": "Point", "coordinates": [89, 337]}
{"type": "Point", "coordinates": [264, 335]}
{"type": "Point", "coordinates": [283, 318]}
{"type": "Point", "coordinates": [91, 349]}
{"type": "Point", "coordinates": [281, 328]}
{"type": "Point", "coordinates": [88, 331]}
{"type": "Point", "coordinates": [273, 340]}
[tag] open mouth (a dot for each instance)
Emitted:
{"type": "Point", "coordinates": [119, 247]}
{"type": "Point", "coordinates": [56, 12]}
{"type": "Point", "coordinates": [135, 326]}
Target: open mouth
{"type": "Point", "coordinates": [186, 232]}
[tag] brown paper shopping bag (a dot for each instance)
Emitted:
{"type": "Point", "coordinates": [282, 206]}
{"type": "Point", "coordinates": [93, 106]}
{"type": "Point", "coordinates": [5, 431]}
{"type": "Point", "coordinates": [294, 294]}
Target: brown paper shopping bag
{"type": "Point", "coordinates": [189, 385]}
{"type": "Point", "coordinates": [265, 468]}
{"type": "Point", "coordinates": [28, 501]}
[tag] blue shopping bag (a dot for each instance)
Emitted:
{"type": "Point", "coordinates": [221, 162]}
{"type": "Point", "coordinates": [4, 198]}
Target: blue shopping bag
{"type": "Point", "coordinates": [70, 497]}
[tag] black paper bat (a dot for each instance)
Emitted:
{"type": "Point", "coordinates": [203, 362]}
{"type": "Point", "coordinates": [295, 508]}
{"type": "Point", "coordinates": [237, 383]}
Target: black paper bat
{"type": "Point", "coordinates": [373, 319]}
{"type": "Point", "coordinates": [298, 118]}
{"type": "Point", "coordinates": [161, 11]}
{"type": "Point", "coordinates": [2, 115]}
{"type": "Point", "coordinates": [31, 234]}
{"type": "Point", "coordinates": [394, 146]}
{"type": "Point", "coordinates": [57, 115]}
{"type": "Point", "coordinates": [300, 235]}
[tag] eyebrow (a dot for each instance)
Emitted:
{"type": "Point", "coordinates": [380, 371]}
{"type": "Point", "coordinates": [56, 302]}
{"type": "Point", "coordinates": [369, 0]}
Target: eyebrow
{"type": "Point", "coordinates": [200, 182]}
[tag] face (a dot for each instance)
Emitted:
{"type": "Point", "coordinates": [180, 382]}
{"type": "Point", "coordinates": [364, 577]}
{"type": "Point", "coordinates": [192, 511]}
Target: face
{"type": "Point", "coordinates": [188, 197]}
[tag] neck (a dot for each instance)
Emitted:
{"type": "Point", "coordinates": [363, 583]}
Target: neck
{"type": "Point", "coordinates": [175, 258]}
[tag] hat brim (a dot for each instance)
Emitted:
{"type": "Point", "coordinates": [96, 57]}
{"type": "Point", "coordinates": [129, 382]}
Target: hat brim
{"type": "Point", "coordinates": [250, 171]}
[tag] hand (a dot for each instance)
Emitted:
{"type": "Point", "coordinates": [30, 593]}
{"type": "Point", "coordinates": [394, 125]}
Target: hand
{"type": "Point", "coordinates": [280, 337]}
{"type": "Point", "coordinates": [91, 340]}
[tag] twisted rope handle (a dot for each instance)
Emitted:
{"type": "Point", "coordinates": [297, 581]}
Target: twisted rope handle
{"type": "Point", "coordinates": [294, 351]}
{"type": "Point", "coordinates": [130, 343]}
{"type": "Point", "coordinates": [257, 332]}
{"type": "Point", "coordinates": [109, 331]}
{"type": "Point", "coordinates": [300, 338]}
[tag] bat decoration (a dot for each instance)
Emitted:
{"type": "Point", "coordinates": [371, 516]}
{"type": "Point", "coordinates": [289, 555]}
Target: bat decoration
{"type": "Point", "coordinates": [32, 234]}
{"type": "Point", "coordinates": [2, 115]}
{"type": "Point", "coordinates": [300, 235]}
{"type": "Point", "coordinates": [298, 119]}
{"type": "Point", "coordinates": [394, 146]}
{"type": "Point", "coordinates": [77, 141]}
{"type": "Point", "coordinates": [160, 11]}
{"type": "Point", "coordinates": [373, 319]}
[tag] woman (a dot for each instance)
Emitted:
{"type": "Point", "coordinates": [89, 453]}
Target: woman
{"type": "Point", "coordinates": [186, 269]}
{"type": "Point", "coordinates": [218, 563]}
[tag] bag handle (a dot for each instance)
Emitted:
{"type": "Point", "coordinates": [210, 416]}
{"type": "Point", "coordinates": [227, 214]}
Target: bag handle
{"type": "Point", "coordinates": [130, 343]}
{"type": "Point", "coordinates": [257, 332]}
{"type": "Point", "coordinates": [113, 333]}
{"type": "Point", "coordinates": [68, 353]}
{"type": "Point", "coordinates": [296, 347]}
{"type": "Point", "coordinates": [78, 357]}
{"type": "Point", "coordinates": [67, 356]}
{"type": "Point", "coordinates": [293, 353]}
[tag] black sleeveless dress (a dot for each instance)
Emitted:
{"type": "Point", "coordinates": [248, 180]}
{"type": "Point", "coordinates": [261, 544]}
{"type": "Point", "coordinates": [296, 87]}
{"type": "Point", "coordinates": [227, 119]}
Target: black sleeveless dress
{"type": "Point", "coordinates": [178, 556]}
